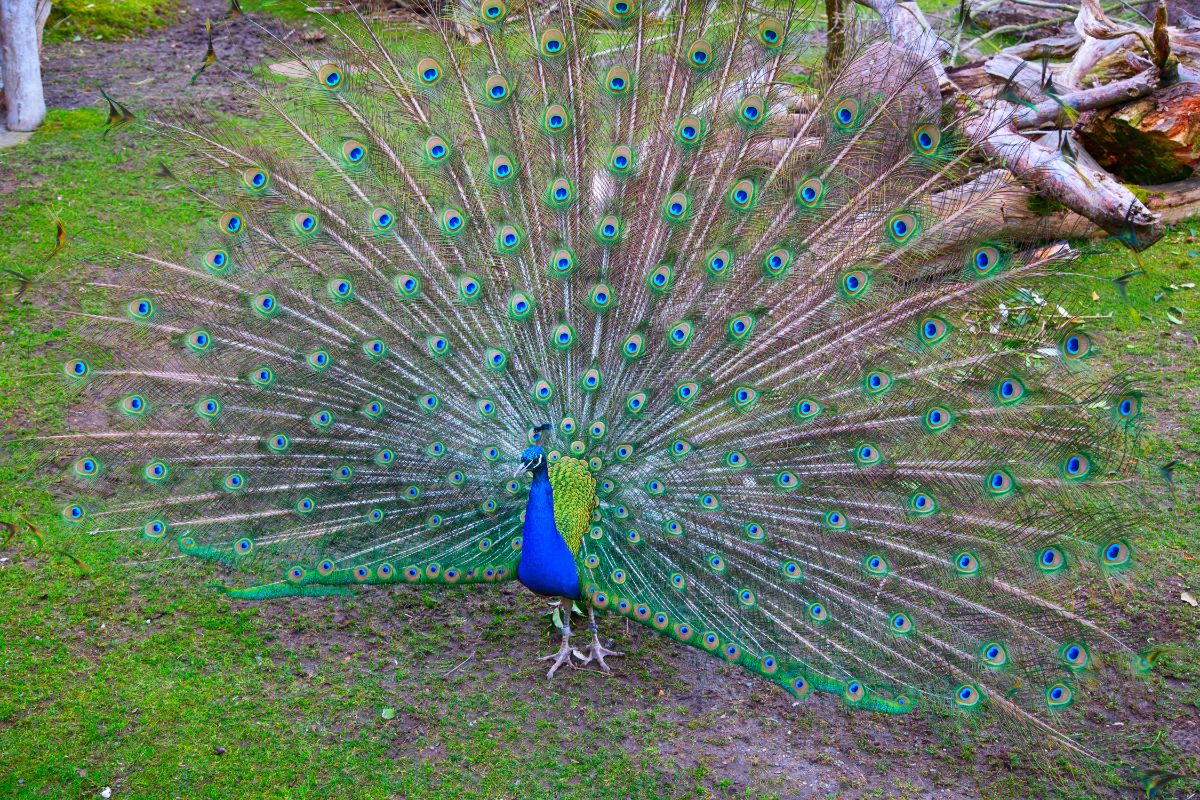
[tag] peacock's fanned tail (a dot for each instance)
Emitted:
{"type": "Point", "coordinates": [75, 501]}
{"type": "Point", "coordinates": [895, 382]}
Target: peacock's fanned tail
{"type": "Point", "coordinates": [820, 450]}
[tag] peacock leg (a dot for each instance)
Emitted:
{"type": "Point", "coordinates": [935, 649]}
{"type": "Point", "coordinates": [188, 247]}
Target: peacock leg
{"type": "Point", "coordinates": [563, 656]}
{"type": "Point", "coordinates": [596, 651]}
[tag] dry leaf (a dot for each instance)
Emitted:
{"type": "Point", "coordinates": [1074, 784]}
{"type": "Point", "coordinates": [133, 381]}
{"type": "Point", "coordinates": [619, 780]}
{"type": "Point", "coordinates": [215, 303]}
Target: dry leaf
{"type": "Point", "coordinates": [1188, 598]}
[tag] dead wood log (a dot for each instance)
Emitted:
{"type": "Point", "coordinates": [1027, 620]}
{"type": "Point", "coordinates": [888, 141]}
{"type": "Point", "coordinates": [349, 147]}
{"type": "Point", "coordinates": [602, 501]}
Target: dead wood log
{"type": "Point", "coordinates": [908, 28]}
{"type": "Point", "coordinates": [1095, 195]}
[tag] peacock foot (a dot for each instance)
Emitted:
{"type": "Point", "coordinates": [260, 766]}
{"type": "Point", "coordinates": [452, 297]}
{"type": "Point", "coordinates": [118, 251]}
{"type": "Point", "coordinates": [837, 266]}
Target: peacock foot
{"type": "Point", "coordinates": [563, 656]}
{"type": "Point", "coordinates": [598, 652]}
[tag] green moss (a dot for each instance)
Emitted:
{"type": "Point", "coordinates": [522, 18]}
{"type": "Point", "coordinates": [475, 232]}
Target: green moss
{"type": "Point", "coordinates": [107, 19]}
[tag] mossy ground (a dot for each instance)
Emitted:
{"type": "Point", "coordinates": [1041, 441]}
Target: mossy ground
{"type": "Point", "coordinates": [138, 678]}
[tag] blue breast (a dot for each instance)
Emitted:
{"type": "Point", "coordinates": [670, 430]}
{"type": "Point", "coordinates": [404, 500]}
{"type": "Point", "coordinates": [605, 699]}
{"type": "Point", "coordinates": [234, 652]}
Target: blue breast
{"type": "Point", "coordinates": [547, 565]}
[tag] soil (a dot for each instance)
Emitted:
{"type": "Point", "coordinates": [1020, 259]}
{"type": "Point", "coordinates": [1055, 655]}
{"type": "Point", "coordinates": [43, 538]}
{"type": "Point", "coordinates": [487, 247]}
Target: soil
{"type": "Point", "coordinates": [158, 68]}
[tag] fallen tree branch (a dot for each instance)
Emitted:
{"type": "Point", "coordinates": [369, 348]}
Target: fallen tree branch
{"type": "Point", "coordinates": [1050, 47]}
{"type": "Point", "coordinates": [1096, 195]}
{"type": "Point", "coordinates": [1110, 94]}
{"type": "Point", "coordinates": [1010, 209]}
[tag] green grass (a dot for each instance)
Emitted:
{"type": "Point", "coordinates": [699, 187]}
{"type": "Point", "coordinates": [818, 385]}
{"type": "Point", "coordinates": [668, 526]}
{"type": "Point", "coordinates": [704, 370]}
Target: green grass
{"type": "Point", "coordinates": [107, 19]}
{"type": "Point", "coordinates": [139, 679]}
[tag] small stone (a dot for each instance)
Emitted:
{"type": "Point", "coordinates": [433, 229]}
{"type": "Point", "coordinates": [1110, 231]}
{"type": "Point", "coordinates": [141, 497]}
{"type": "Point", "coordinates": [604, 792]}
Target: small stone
{"type": "Point", "coordinates": [219, 750]}
{"type": "Point", "coordinates": [106, 793]}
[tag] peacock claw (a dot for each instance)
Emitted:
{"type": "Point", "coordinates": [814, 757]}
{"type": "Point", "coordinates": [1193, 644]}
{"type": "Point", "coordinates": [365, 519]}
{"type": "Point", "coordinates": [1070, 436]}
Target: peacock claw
{"type": "Point", "coordinates": [598, 652]}
{"type": "Point", "coordinates": [563, 656]}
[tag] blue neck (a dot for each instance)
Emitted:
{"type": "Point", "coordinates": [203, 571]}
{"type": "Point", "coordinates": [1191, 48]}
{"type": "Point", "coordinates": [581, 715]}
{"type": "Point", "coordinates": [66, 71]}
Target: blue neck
{"type": "Point", "coordinates": [547, 565]}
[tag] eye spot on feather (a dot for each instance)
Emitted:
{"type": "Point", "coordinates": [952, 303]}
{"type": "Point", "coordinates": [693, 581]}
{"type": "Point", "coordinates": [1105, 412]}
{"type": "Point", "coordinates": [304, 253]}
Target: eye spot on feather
{"type": "Point", "coordinates": [217, 260]}
{"type": "Point", "coordinates": [810, 192]}
{"type": "Point", "coordinates": [901, 227]}
{"type": "Point", "coordinates": [700, 54]}
{"type": "Point", "coordinates": [938, 419]}
{"type": "Point", "coordinates": [867, 455]}
{"type": "Point", "coordinates": [1010, 391]}
{"type": "Point", "coordinates": [1000, 483]}
{"type": "Point", "coordinates": [933, 330]}
{"type": "Point", "coordinates": [689, 131]}
{"type": "Point", "coordinates": [994, 655]}
{"type": "Point", "coordinates": [718, 263]}
{"type": "Point", "coordinates": [429, 71]}
{"type": "Point", "coordinates": [617, 81]}
{"type": "Point", "coordinates": [1115, 554]}
{"type": "Point", "coordinates": [966, 564]}
{"type": "Point", "coordinates": [231, 223]}
{"type": "Point", "coordinates": [330, 76]}
{"type": "Point", "coordinates": [552, 43]}
{"type": "Point", "coordinates": [1059, 695]}
{"type": "Point", "coordinates": [745, 397]}
{"type": "Point", "coordinates": [922, 504]}
{"type": "Point", "coordinates": [340, 288]}
{"type": "Point", "coordinates": [985, 260]}
{"type": "Point", "coordinates": [676, 208]}
{"type": "Point", "coordinates": [1051, 560]}
{"type": "Point", "coordinates": [926, 139]}
{"type": "Point", "coordinates": [621, 10]}
{"type": "Point", "coordinates": [1075, 656]}
{"type": "Point", "coordinates": [876, 565]}
{"type": "Point", "coordinates": [453, 221]}
{"type": "Point", "coordinates": [877, 382]}
{"type": "Point", "coordinates": [608, 230]}
{"type": "Point", "coordinates": [1128, 407]}
{"type": "Point", "coordinates": [437, 149]}
{"type": "Point", "coordinates": [354, 151]}
{"type": "Point", "coordinates": [508, 239]}
{"type": "Point", "coordinates": [305, 223]}
{"type": "Point", "coordinates": [133, 405]}
{"type": "Point", "coordinates": [900, 623]}
{"type": "Point", "coordinates": [555, 119]}
{"type": "Point", "coordinates": [770, 33]}
{"type": "Point", "coordinates": [1076, 467]}
{"type": "Point", "coordinates": [559, 193]}
{"type": "Point", "coordinates": [752, 111]}
{"type": "Point", "coordinates": [493, 11]}
{"type": "Point", "coordinates": [543, 391]}
{"type": "Point", "coordinates": [845, 113]}
{"type": "Point", "coordinates": [967, 697]}
{"type": "Point", "coordinates": [743, 194]}
{"type": "Point", "coordinates": [256, 179]}
{"type": "Point", "coordinates": [777, 262]}
{"type": "Point", "coordinates": [496, 89]}
{"type": "Point", "coordinates": [1075, 346]}
{"type": "Point", "coordinates": [836, 520]}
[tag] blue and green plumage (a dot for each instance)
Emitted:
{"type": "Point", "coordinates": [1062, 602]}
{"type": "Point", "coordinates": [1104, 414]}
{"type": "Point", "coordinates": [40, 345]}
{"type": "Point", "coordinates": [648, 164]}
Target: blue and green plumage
{"type": "Point", "coordinates": [784, 426]}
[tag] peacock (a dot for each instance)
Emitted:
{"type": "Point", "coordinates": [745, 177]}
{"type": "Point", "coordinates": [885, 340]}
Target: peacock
{"type": "Point", "coordinates": [648, 310]}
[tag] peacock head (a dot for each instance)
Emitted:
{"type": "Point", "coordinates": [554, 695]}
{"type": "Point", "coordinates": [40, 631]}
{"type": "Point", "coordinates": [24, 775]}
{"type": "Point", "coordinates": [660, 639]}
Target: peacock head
{"type": "Point", "coordinates": [534, 458]}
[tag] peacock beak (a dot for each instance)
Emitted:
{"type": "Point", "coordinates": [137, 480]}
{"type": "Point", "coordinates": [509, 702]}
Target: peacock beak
{"type": "Point", "coordinates": [525, 466]}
